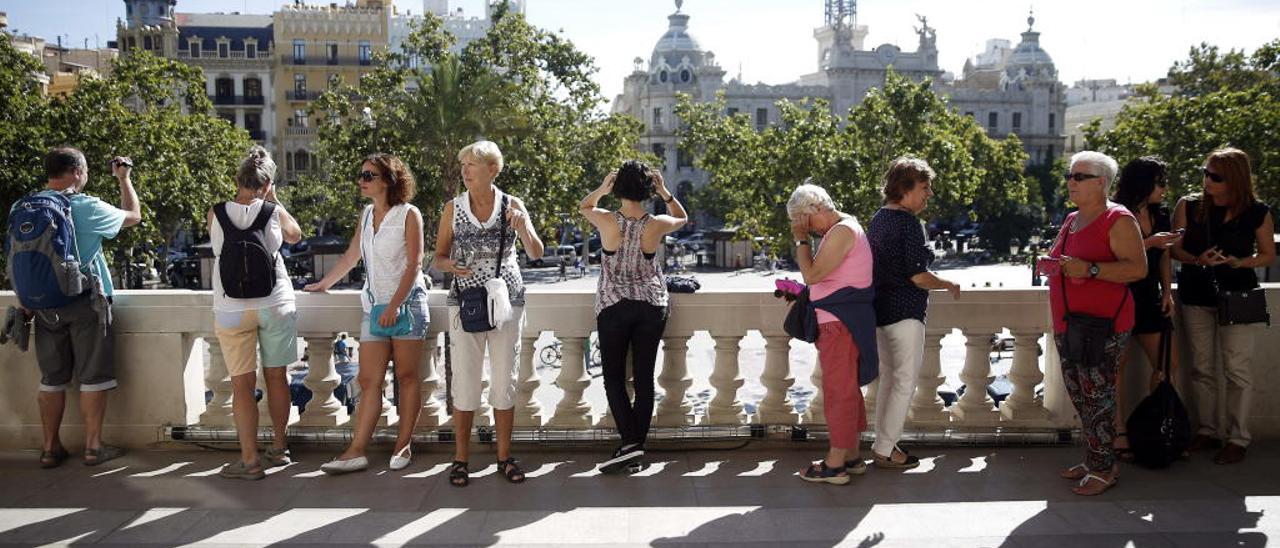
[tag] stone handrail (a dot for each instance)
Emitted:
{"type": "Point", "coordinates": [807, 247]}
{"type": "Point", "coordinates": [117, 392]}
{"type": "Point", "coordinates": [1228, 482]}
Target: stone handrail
{"type": "Point", "coordinates": [167, 358]}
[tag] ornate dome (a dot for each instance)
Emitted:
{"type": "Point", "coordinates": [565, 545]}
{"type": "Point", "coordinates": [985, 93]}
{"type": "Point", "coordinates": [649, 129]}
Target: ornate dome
{"type": "Point", "coordinates": [1029, 60]}
{"type": "Point", "coordinates": [676, 44]}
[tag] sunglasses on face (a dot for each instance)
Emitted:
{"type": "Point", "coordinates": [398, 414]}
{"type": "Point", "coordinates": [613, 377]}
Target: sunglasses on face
{"type": "Point", "coordinates": [367, 176]}
{"type": "Point", "coordinates": [1211, 175]}
{"type": "Point", "coordinates": [1078, 177]}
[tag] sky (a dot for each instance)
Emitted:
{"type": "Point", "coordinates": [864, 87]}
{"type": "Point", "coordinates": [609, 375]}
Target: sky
{"type": "Point", "coordinates": [771, 41]}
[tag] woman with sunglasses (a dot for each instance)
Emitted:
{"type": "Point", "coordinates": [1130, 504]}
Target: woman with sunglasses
{"type": "Point", "coordinates": [1097, 254]}
{"type": "Point", "coordinates": [1228, 234]}
{"type": "Point", "coordinates": [1142, 188]}
{"type": "Point", "coordinates": [476, 243]}
{"type": "Point", "coordinates": [388, 239]}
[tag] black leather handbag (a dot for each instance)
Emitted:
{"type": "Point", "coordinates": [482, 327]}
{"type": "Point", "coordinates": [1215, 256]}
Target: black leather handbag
{"type": "Point", "coordinates": [473, 302]}
{"type": "Point", "coordinates": [1159, 430]}
{"type": "Point", "coordinates": [1241, 306]}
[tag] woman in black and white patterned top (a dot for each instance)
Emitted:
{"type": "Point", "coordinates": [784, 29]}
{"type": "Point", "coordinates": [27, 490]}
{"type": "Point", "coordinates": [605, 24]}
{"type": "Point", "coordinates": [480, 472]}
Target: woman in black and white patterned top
{"type": "Point", "coordinates": [631, 302]}
{"type": "Point", "coordinates": [467, 246]}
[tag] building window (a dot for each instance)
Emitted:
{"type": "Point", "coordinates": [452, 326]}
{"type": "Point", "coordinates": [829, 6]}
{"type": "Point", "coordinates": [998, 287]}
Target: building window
{"type": "Point", "coordinates": [660, 150]}
{"type": "Point", "coordinates": [251, 51]}
{"type": "Point", "coordinates": [223, 90]}
{"type": "Point", "coordinates": [133, 44]}
{"type": "Point", "coordinates": [146, 43]}
{"type": "Point", "coordinates": [302, 160]}
{"type": "Point", "coordinates": [300, 84]}
{"type": "Point", "coordinates": [1052, 119]}
{"type": "Point", "coordinates": [252, 87]}
{"type": "Point", "coordinates": [683, 158]}
{"type": "Point", "coordinates": [128, 9]}
{"type": "Point", "coordinates": [299, 52]}
{"type": "Point", "coordinates": [224, 50]}
{"type": "Point", "coordinates": [685, 76]}
{"type": "Point", "coordinates": [299, 118]}
{"type": "Point", "coordinates": [366, 52]}
{"type": "Point", "coordinates": [331, 50]}
{"type": "Point", "coordinates": [662, 76]}
{"type": "Point", "coordinates": [993, 120]}
{"type": "Point", "coordinates": [1017, 121]}
{"type": "Point", "coordinates": [731, 111]}
{"type": "Point", "coordinates": [195, 50]}
{"type": "Point", "coordinates": [657, 117]}
{"type": "Point", "coordinates": [762, 118]}
{"type": "Point", "coordinates": [252, 121]}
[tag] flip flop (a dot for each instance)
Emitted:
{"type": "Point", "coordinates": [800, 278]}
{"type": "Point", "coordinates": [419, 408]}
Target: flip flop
{"type": "Point", "coordinates": [1106, 485]}
{"type": "Point", "coordinates": [94, 457]}
{"type": "Point", "coordinates": [53, 459]}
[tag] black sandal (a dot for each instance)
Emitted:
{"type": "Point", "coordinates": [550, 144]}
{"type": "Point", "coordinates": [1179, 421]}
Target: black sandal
{"type": "Point", "coordinates": [1123, 454]}
{"type": "Point", "coordinates": [458, 474]}
{"type": "Point", "coordinates": [510, 469]}
{"type": "Point", "coordinates": [53, 459]}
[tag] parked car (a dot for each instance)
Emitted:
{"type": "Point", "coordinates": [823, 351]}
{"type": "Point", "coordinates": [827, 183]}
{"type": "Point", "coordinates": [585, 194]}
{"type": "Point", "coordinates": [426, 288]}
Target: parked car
{"type": "Point", "coordinates": [695, 241]}
{"type": "Point", "coordinates": [551, 257]}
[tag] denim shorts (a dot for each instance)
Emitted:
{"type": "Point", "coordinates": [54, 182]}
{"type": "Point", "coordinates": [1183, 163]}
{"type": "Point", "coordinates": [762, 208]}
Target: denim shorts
{"type": "Point", "coordinates": [417, 301]}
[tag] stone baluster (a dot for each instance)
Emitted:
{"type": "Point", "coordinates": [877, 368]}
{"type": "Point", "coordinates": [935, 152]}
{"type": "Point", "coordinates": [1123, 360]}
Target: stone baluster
{"type": "Point", "coordinates": [432, 410]}
{"type": "Point", "coordinates": [815, 413]}
{"type": "Point", "coordinates": [573, 408]}
{"type": "Point", "coordinates": [322, 379]}
{"type": "Point", "coordinates": [975, 406]}
{"type": "Point", "coordinates": [926, 405]}
{"type": "Point", "coordinates": [725, 407]}
{"type": "Point", "coordinates": [1025, 375]}
{"type": "Point", "coordinates": [216, 379]}
{"type": "Point", "coordinates": [528, 408]}
{"type": "Point", "coordinates": [869, 397]}
{"type": "Point", "coordinates": [776, 407]}
{"type": "Point", "coordinates": [675, 409]}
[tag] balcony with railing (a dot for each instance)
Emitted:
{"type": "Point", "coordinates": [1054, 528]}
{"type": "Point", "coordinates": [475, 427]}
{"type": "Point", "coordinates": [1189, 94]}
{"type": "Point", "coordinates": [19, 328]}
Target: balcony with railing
{"type": "Point", "coordinates": [165, 346]}
{"type": "Point", "coordinates": [232, 56]}
{"type": "Point", "coordinates": [328, 61]}
{"type": "Point", "coordinates": [302, 95]}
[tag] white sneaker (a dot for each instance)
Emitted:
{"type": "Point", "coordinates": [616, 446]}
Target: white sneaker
{"type": "Point", "coordinates": [336, 466]}
{"type": "Point", "coordinates": [401, 460]}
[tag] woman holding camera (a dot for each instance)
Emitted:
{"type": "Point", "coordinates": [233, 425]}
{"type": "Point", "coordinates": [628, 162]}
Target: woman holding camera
{"type": "Point", "coordinates": [1097, 254]}
{"type": "Point", "coordinates": [476, 244]}
{"type": "Point", "coordinates": [1228, 234]}
{"type": "Point", "coordinates": [631, 298]}
{"type": "Point", "coordinates": [388, 239]}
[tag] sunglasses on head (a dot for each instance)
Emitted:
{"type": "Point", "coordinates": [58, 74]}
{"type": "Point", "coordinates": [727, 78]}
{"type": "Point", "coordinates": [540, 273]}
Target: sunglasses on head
{"type": "Point", "coordinates": [1211, 175]}
{"type": "Point", "coordinates": [1078, 177]}
{"type": "Point", "coordinates": [366, 176]}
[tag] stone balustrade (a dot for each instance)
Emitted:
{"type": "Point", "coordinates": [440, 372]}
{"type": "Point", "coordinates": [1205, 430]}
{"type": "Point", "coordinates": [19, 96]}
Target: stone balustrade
{"type": "Point", "coordinates": [167, 359]}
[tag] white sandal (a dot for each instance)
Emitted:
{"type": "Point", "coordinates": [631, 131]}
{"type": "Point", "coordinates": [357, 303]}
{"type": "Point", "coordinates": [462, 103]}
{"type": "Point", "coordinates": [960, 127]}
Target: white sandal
{"type": "Point", "coordinates": [1106, 484]}
{"type": "Point", "coordinates": [401, 459]}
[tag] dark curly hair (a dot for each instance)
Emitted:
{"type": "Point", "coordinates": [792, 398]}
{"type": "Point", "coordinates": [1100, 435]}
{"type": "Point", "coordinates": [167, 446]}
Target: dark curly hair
{"type": "Point", "coordinates": [1138, 179]}
{"type": "Point", "coordinates": [636, 181]}
{"type": "Point", "coordinates": [400, 184]}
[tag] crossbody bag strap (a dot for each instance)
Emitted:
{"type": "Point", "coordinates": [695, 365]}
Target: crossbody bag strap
{"type": "Point", "coordinates": [502, 238]}
{"type": "Point", "coordinates": [366, 224]}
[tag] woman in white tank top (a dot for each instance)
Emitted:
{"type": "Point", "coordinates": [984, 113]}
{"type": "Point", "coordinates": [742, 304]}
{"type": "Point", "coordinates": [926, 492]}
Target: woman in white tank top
{"type": "Point", "coordinates": [388, 239]}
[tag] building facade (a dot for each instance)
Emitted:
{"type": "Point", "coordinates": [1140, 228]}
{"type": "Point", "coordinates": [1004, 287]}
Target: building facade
{"type": "Point", "coordinates": [1016, 90]}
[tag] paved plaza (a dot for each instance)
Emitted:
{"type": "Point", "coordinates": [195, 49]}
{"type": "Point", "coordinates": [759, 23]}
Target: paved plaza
{"type": "Point", "coordinates": [737, 496]}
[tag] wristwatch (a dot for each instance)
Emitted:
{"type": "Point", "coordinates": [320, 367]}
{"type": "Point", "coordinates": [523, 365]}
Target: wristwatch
{"type": "Point", "coordinates": [1094, 270]}
{"type": "Point", "coordinates": [801, 242]}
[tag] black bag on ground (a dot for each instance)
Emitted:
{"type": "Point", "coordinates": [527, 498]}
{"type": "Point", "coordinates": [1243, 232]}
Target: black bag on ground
{"type": "Point", "coordinates": [246, 268]}
{"type": "Point", "coordinates": [1159, 430]}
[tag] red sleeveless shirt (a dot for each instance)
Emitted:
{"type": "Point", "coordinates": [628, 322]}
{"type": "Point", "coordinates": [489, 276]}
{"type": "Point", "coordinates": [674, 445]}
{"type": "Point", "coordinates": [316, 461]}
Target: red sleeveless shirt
{"type": "Point", "coordinates": [1090, 296]}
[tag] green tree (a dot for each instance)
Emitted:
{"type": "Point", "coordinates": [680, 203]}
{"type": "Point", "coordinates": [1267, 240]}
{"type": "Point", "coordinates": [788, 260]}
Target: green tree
{"type": "Point", "coordinates": [153, 110]}
{"type": "Point", "coordinates": [528, 90]}
{"type": "Point", "coordinates": [978, 178]}
{"type": "Point", "coordinates": [1221, 99]}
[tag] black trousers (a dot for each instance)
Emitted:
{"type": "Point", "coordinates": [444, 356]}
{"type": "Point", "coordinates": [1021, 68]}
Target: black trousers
{"type": "Point", "coordinates": [634, 326]}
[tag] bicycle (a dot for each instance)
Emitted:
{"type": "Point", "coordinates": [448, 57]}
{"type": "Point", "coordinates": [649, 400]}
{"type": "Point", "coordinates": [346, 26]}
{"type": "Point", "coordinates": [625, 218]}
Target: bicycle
{"type": "Point", "coordinates": [552, 356]}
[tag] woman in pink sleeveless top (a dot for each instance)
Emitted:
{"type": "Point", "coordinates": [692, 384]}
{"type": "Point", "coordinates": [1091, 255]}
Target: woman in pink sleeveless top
{"type": "Point", "coordinates": [1098, 252]}
{"type": "Point", "coordinates": [842, 262]}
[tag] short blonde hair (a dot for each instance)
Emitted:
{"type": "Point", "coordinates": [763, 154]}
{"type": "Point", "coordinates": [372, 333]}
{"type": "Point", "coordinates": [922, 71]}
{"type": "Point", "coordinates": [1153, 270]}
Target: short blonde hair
{"type": "Point", "coordinates": [809, 198]}
{"type": "Point", "coordinates": [485, 151]}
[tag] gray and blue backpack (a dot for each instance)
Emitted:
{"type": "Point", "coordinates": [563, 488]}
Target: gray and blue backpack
{"type": "Point", "coordinates": [43, 262]}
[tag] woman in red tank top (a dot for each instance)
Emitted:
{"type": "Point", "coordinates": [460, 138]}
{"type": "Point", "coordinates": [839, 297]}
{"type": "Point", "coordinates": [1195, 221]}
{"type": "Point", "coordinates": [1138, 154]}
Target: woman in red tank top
{"type": "Point", "coordinates": [1099, 251]}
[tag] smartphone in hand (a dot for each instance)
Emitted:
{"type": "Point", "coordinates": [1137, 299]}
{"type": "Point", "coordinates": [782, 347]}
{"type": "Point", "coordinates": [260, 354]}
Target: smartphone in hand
{"type": "Point", "coordinates": [1048, 266]}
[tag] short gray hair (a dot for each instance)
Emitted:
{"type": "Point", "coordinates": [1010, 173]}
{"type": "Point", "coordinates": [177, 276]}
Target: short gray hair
{"type": "Point", "coordinates": [1107, 164]}
{"type": "Point", "coordinates": [257, 170]}
{"type": "Point", "coordinates": [809, 198]}
{"type": "Point", "coordinates": [485, 151]}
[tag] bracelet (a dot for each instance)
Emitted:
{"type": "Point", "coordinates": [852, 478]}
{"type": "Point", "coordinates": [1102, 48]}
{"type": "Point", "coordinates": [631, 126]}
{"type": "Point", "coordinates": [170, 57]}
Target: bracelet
{"type": "Point", "coordinates": [670, 198]}
{"type": "Point", "coordinates": [801, 242]}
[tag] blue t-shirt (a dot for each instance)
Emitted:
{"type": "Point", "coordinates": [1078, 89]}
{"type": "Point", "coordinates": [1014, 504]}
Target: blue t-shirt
{"type": "Point", "coordinates": [95, 221]}
{"type": "Point", "coordinates": [901, 251]}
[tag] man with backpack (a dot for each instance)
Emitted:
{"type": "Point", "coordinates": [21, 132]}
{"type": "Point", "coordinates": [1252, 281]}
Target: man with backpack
{"type": "Point", "coordinates": [59, 273]}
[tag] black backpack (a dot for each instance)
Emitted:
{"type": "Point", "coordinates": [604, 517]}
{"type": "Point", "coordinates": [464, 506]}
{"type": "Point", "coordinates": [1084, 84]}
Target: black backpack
{"type": "Point", "coordinates": [247, 269]}
{"type": "Point", "coordinates": [1159, 430]}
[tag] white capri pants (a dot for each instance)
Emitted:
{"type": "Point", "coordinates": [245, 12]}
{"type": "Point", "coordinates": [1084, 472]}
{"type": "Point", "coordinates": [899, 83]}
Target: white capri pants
{"type": "Point", "coordinates": [468, 351]}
